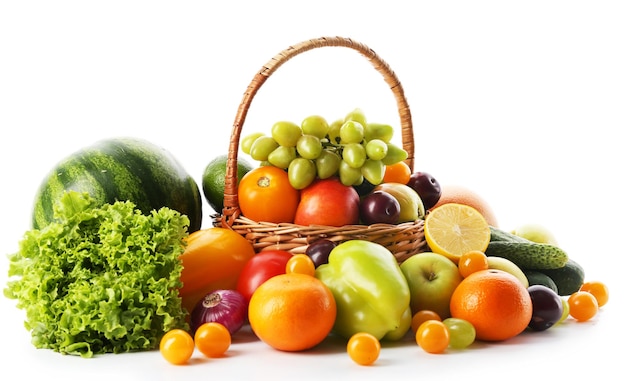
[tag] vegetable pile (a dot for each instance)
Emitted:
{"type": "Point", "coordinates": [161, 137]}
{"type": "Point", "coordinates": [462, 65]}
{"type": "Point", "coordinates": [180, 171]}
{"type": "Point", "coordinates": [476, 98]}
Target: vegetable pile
{"type": "Point", "coordinates": [100, 279]}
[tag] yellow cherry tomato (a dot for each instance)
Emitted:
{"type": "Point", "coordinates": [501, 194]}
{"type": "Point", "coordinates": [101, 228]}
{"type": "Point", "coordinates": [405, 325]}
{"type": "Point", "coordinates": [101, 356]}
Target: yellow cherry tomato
{"type": "Point", "coordinates": [363, 348]}
{"type": "Point", "coordinates": [433, 336]}
{"type": "Point", "coordinates": [177, 346]}
{"type": "Point", "coordinates": [301, 264]}
{"type": "Point", "coordinates": [582, 305]}
{"type": "Point", "coordinates": [212, 339]}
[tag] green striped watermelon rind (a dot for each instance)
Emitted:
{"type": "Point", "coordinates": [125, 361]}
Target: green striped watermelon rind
{"type": "Point", "coordinates": [122, 169]}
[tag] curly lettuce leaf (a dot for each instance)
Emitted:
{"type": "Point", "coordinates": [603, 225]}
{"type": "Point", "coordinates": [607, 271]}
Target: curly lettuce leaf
{"type": "Point", "coordinates": [101, 279]}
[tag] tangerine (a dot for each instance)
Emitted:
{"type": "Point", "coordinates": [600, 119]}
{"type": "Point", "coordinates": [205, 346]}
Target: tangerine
{"type": "Point", "coordinates": [462, 195]}
{"type": "Point", "coordinates": [495, 302]}
{"type": "Point", "coordinates": [292, 312]}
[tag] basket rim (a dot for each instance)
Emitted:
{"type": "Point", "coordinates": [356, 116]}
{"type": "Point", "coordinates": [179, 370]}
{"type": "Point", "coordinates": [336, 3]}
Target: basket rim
{"type": "Point", "coordinates": [231, 211]}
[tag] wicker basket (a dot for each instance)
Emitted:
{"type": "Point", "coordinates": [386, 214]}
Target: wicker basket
{"type": "Point", "coordinates": [403, 240]}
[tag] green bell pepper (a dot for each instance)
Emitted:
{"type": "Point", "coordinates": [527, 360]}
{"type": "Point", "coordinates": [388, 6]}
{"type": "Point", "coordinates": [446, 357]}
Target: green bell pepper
{"type": "Point", "coordinates": [370, 290]}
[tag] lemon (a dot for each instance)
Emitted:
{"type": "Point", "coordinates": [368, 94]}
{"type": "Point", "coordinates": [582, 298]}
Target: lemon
{"type": "Point", "coordinates": [214, 178]}
{"type": "Point", "coordinates": [453, 229]}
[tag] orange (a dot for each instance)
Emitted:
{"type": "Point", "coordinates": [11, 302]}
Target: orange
{"type": "Point", "coordinates": [495, 302]}
{"type": "Point", "coordinates": [399, 172]}
{"type": "Point", "coordinates": [455, 229]}
{"type": "Point", "coordinates": [462, 195]}
{"type": "Point", "coordinates": [292, 312]}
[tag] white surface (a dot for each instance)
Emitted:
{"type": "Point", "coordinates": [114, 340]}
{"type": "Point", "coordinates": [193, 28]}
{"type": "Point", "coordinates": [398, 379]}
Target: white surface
{"type": "Point", "coordinates": [523, 103]}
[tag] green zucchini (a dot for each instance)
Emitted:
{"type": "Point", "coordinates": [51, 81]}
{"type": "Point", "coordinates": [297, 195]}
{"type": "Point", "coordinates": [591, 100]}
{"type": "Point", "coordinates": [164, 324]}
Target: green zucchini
{"type": "Point", "coordinates": [537, 277]}
{"type": "Point", "coordinates": [568, 278]}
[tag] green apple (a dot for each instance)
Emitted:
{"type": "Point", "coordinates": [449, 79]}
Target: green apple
{"type": "Point", "coordinates": [508, 266]}
{"type": "Point", "coordinates": [535, 233]}
{"type": "Point", "coordinates": [411, 205]}
{"type": "Point", "coordinates": [432, 279]}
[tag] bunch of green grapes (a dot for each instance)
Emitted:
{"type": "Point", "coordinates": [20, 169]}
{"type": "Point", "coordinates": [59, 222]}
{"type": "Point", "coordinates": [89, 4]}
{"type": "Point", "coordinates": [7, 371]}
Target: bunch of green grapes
{"type": "Point", "coordinates": [350, 148]}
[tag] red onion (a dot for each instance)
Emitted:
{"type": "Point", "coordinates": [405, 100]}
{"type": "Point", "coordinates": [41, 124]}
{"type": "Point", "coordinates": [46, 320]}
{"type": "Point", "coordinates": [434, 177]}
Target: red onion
{"type": "Point", "coordinates": [227, 307]}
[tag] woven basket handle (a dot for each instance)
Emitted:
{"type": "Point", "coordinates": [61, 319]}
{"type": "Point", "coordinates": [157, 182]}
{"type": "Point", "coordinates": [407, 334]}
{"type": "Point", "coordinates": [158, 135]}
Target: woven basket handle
{"type": "Point", "coordinates": [231, 202]}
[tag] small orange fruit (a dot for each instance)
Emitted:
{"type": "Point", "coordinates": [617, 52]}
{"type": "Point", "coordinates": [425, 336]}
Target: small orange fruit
{"type": "Point", "coordinates": [433, 336]}
{"type": "Point", "coordinates": [363, 348]}
{"type": "Point", "coordinates": [462, 195]}
{"type": "Point", "coordinates": [472, 261]}
{"type": "Point", "coordinates": [292, 312]}
{"type": "Point", "coordinates": [495, 302]}
{"type": "Point", "coordinates": [582, 305]}
{"type": "Point", "coordinates": [597, 289]}
{"type": "Point", "coordinates": [399, 172]}
{"type": "Point", "coordinates": [421, 316]}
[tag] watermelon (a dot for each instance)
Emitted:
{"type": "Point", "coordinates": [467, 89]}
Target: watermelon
{"type": "Point", "coordinates": [122, 169]}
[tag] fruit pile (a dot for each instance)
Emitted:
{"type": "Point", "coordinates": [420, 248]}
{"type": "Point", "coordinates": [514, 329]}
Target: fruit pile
{"type": "Point", "coordinates": [475, 282]}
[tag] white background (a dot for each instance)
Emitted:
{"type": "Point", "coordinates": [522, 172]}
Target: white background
{"type": "Point", "coordinates": [524, 102]}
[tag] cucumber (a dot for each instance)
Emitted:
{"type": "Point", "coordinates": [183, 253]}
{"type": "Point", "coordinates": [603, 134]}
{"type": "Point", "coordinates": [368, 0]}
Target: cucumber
{"type": "Point", "coordinates": [529, 255]}
{"type": "Point", "coordinates": [500, 235]}
{"type": "Point", "coordinates": [568, 278]}
{"type": "Point", "coordinates": [537, 277]}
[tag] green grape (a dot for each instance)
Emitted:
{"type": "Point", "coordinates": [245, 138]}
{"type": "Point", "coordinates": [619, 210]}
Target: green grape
{"type": "Point", "coordinates": [333, 132]}
{"type": "Point", "coordinates": [462, 332]}
{"type": "Point", "coordinates": [282, 156]}
{"type": "Point", "coordinates": [394, 154]}
{"type": "Point", "coordinates": [383, 132]}
{"type": "Point", "coordinates": [351, 132]}
{"type": "Point", "coordinates": [301, 172]}
{"type": "Point", "coordinates": [315, 125]}
{"type": "Point", "coordinates": [309, 147]}
{"type": "Point", "coordinates": [373, 171]}
{"type": "Point", "coordinates": [247, 141]}
{"type": "Point", "coordinates": [348, 175]}
{"type": "Point", "coordinates": [354, 155]}
{"type": "Point", "coordinates": [376, 149]}
{"type": "Point", "coordinates": [286, 133]}
{"type": "Point", "coordinates": [327, 164]}
{"type": "Point", "coordinates": [356, 115]}
{"type": "Point", "coordinates": [262, 147]}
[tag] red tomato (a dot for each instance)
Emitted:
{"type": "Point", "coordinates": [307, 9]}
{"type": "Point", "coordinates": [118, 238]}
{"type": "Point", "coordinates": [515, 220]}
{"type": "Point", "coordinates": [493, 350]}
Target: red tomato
{"type": "Point", "coordinates": [265, 194]}
{"type": "Point", "coordinates": [328, 202]}
{"type": "Point", "coordinates": [260, 268]}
